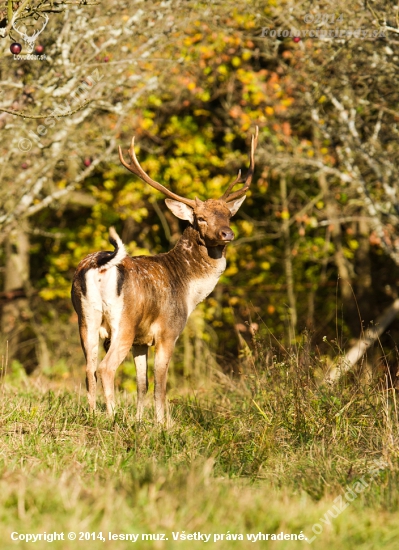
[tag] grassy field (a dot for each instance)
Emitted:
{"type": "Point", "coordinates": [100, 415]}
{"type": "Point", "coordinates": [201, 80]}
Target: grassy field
{"type": "Point", "coordinates": [273, 452]}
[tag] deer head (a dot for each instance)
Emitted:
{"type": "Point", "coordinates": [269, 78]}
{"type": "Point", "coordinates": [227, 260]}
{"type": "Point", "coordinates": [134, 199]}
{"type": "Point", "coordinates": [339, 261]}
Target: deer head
{"type": "Point", "coordinates": [210, 217]}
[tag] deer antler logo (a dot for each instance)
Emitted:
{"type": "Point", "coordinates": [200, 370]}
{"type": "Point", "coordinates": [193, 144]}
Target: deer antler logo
{"type": "Point", "coordinates": [20, 26]}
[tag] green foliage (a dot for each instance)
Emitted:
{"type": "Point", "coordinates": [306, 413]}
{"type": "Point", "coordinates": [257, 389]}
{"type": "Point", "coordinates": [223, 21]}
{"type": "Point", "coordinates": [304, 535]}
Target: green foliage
{"type": "Point", "coordinates": [16, 373]}
{"type": "Point", "coordinates": [203, 144]}
{"type": "Point", "coordinates": [212, 85]}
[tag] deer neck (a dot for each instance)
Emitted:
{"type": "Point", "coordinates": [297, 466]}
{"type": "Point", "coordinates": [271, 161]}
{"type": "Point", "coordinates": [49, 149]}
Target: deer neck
{"type": "Point", "coordinates": [205, 258]}
{"type": "Point", "coordinates": [201, 265]}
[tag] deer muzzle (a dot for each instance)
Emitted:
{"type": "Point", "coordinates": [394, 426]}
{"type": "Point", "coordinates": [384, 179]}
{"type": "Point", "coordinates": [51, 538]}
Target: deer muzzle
{"type": "Point", "coordinates": [226, 234]}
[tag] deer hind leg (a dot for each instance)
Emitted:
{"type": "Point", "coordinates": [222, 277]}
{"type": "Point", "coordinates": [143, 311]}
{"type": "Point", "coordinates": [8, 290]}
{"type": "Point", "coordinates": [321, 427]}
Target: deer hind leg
{"type": "Point", "coordinates": [140, 354]}
{"type": "Point", "coordinates": [89, 324]}
{"type": "Point", "coordinates": [163, 354]}
{"type": "Point", "coordinates": [120, 345]}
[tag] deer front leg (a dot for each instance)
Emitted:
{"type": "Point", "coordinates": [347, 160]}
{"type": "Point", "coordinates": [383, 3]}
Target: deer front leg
{"type": "Point", "coordinates": [163, 355]}
{"type": "Point", "coordinates": [140, 354]}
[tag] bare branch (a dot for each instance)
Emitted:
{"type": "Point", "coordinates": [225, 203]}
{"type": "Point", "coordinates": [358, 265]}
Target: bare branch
{"type": "Point", "coordinates": [23, 114]}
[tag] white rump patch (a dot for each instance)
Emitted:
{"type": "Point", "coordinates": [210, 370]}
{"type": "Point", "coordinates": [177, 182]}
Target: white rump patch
{"type": "Point", "coordinates": [102, 297]}
{"type": "Point", "coordinates": [112, 304]}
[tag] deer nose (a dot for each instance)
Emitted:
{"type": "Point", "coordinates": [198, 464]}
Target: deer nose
{"type": "Point", "coordinates": [226, 234]}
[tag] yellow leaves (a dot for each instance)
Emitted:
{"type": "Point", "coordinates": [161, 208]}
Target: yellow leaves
{"type": "Point", "coordinates": [190, 40]}
{"type": "Point", "coordinates": [246, 77]}
{"type": "Point", "coordinates": [151, 165]}
{"type": "Point", "coordinates": [135, 250]}
{"type": "Point", "coordinates": [262, 185]}
{"type": "Point", "coordinates": [201, 112]}
{"type": "Point", "coordinates": [250, 24]}
{"type": "Point", "coordinates": [269, 110]}
{"type": "Point", "coordinates": [191, 86]}
{"type": "Point", "coordinates": [137, 214]}
{"type": "Point", "coordinates": [47, 294]}
{"type": "Point", "coordinates": [58, 286]}
{"type": "Point", "coordinates": [215, 160]}
{"type": "Point", "coordinates": [322, 99]}
{"type": "Point", "coordinates": [109, 184]}
{"type": "Point", "coordinates": [257, 97]}
{"type": "Point", "coordinates": [348, 253]}
{"type": "Point", "coordinates": [246, 227]}
{"type": "Point", "coordinates": [285, 215]}
{"type": "Point", "coordinates": [204, 95]}
{"type": "Point", "coordinates": [222, 69]}
{"type": "Point", "coordinates": [62, 262]}
{"type": "Point", "coordinates": [236, 61]}
{"type": "Point", "coordinates": [147, 123]}
{"type": "Point", "coordinates": [206, 52]}
{"type": "Point", "coordinates": [231, 270]}
{"type": "Point", "coordinates": [104, 195]}
{"type": "Point", "coordinates": [246, 55]}
{"type": "Point", "coordinates": [353, 244]}
{"type": "Point", "coordinates": [265, 266]}
{"type": "Point", "coordinates": [246, 119]}
{"type": "Point", "coordinates": [195, 145]}
{"type": "Point", "coordinates": [287, 101]}
{"type": "Point", "coordinates": [257, 280]}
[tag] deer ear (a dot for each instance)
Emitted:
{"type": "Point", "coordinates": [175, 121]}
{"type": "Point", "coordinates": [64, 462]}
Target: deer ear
{"type": "Point", "coordinates": [180, 210]}
{"type": "Point", "coordinates": [233, 206]}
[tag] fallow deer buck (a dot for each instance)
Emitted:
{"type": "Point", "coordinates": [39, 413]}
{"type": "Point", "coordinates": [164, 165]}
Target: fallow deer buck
{"type": "Point", "coordinates": [146, 300]}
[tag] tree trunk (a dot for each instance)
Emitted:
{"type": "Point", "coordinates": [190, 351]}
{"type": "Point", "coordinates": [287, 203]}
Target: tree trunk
{"type": "Point", "coordinates": [363, 273]}
{"type": "Point", "coordinates": [15, 279]}
{"type": "Point", "coordinates": [289, 272]}
{"type": "Point", "coordinates": [16, 315]}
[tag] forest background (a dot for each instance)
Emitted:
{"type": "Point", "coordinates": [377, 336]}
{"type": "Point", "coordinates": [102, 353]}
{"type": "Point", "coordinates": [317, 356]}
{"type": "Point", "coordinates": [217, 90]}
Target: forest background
{"type": "Point", "coordinates": [258, 441]}
{"type": "Point", "coordinates": [317, 247]}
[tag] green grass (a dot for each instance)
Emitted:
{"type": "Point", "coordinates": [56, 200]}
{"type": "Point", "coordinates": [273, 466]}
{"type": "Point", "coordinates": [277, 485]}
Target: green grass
{"type": "Point", "coordinates": [267, 453]}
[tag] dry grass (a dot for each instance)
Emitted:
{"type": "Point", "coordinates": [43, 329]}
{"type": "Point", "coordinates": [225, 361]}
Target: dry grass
{"type": "Point", "coordinates": [268, 453]}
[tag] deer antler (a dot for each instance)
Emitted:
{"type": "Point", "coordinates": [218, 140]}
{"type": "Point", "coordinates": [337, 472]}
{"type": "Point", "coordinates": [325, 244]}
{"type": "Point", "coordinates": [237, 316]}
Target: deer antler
{"type": "Point", "coordinates": [227, 195]}
{"type": "Point", "coordinates": [137, 169]}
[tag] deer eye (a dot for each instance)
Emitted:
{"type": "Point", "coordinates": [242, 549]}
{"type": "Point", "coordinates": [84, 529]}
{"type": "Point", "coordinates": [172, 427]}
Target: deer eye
{"type": "Point", "coordinates": [200, 220]}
